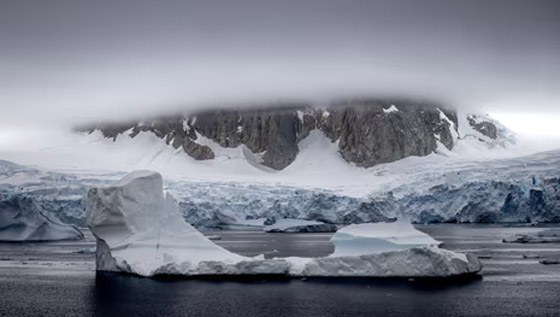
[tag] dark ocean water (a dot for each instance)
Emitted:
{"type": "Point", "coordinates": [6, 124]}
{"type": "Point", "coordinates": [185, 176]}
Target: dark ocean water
{"type": "Point", "coordinates": [51, 279]}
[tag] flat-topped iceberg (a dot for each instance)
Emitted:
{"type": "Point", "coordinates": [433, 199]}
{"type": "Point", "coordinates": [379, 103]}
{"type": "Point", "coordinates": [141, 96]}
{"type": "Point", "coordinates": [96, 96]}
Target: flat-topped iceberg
{"type": "Point", "coordinates": [299, 225]}
{"type": "Point", "coordinates": [139, 230]}
{"type": "Point", "coordinates": [371, 238]}
{"type": "Point", "coordinates": [22, 220]}
{"type": "Point", "coordinates": [545, 236]}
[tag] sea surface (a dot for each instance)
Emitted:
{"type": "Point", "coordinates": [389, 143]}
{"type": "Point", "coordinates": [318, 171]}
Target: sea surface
{"type": "Point", "coordinates": [59, 279]}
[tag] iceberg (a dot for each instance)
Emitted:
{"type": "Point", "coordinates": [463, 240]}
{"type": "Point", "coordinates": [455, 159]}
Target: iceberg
{"type": "Point", "coordinates": [22, 220]}
{"type": "Point", "coordinates": [523, 190]}
{"type": "Point", "coordinates": [369, 238]}
{"type": "Point", "coordinates": [426, 261]}
{"type": "Point", "coordinates": [545, 236]}
{"type": "Point", "coordinates": [299, 225]}
{"type": "Point", "coordinates": [139, 230]}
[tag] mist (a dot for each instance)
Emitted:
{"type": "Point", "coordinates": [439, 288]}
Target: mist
{"type": "Point", "coordinates": [70, 62]}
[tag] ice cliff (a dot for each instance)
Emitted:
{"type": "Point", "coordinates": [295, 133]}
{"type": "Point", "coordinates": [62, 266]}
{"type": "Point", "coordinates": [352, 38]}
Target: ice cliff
{"type": "Point", "coordinates": [23, 220]}
{"type": "Point", "coordinates": [139, 230]}
{"type": "Point", "coordinates": [428, 190]}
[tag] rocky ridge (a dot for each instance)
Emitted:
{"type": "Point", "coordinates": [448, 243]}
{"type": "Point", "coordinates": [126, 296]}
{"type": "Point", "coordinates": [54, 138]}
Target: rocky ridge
{"type": "Point", "coordinates": [368, 132]}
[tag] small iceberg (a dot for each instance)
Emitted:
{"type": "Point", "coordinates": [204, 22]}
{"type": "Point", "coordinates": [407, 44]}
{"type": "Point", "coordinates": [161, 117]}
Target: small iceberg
{"type": "Point", "coordinates": [139, 230]}
{"type": "Point", "coordinates": [371, 238]}
{"type": "Point", "coordinates": [299, 225]}
{"type": "Point", "coordinates": [23, 220]}
{"type": "Point", "coordinates": [544, 236]}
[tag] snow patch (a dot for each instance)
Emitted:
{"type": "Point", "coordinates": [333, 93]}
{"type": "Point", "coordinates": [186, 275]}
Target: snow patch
{"type": "Point", "coordinates": [300, 115]}
{"type": "Point", "coordinates": [391, 109]}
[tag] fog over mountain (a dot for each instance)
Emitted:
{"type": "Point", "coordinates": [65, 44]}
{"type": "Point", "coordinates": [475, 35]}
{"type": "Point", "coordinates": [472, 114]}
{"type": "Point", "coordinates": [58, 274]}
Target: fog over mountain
{"type": "Point", "coordinates": [68, 61]}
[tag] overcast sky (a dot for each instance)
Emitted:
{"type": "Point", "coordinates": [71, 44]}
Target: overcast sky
{"type": "Point", "coordinates": [72, 60]}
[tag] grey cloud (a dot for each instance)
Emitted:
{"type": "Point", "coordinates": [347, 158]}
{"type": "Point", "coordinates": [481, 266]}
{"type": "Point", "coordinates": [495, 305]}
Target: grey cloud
{"type": "Point", "coordinates": [72, 60]}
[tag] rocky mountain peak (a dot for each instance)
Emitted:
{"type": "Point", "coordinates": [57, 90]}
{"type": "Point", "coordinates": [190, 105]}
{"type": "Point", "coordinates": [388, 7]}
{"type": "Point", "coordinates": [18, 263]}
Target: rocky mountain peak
{"type": "Point", "coordinates": [367, 131]}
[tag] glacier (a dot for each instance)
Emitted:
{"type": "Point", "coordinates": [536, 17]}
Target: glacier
{"type": "Point", "coordinates": [139, 230]}
{"type": "Point", "coordinates": [369, 238]}
{"type": "Point", "coordinates": [433, 189]}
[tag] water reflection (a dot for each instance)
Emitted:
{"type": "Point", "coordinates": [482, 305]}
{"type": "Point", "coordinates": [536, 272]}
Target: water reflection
{"type": "Point", "coordinates": [125, 295]}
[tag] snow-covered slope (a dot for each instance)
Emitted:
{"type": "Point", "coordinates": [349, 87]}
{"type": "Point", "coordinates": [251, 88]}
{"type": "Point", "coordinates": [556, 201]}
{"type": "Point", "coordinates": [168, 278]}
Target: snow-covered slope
{"type": "Point", "coordinates": [481, 128]}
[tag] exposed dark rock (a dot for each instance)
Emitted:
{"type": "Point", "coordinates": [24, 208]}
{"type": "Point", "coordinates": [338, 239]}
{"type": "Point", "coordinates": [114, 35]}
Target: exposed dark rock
{"type": "Point", "coordinates": [282, 142]}
{"type": "Point", "coordinates": [369, 135]}
{"type": "Point", "coordinates": [197, 151]}
{"type": "Point", "coordinates": [485, 127]}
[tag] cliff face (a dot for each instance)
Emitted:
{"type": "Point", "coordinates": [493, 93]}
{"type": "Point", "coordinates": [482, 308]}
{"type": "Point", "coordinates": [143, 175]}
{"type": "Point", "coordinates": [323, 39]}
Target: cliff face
{"type": "Point", "coordinates": [368, 132]}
